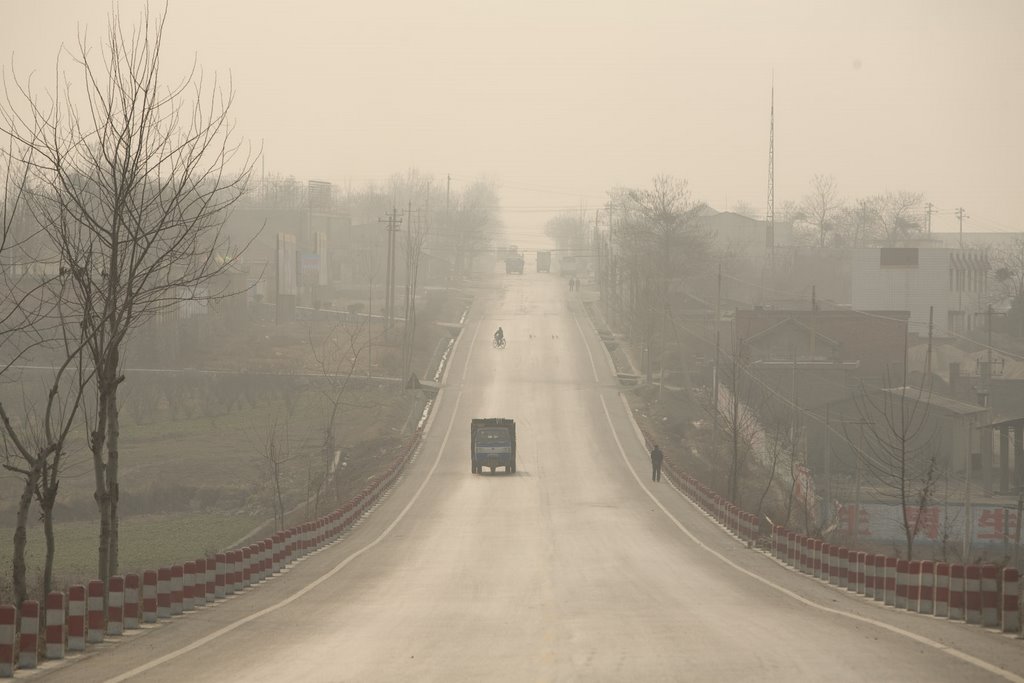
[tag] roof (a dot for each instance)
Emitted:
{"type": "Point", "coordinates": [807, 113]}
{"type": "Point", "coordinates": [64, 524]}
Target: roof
{"type": "Point", "coordinates": [791, 322]}
{"type": "Point", "coordinates": [950, 405]}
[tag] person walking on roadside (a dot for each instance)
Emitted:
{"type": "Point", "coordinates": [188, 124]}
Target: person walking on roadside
{"type": "Point", "coordinates": [656, 457]}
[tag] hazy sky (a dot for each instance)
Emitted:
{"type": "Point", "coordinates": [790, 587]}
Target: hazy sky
{"type": "Point", "coordinates": [560, 101]}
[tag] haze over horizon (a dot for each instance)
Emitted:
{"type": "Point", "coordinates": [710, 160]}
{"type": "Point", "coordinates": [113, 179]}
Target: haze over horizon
{"type": "Point", "coordinates": [560, 102]}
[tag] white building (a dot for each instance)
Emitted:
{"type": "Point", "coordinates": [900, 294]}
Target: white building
{"type": "Point", "coordinates": [952, 282]}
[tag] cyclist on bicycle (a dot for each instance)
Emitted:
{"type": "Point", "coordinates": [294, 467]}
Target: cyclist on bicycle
{"type": "Point", "coordinates": [499, 337]}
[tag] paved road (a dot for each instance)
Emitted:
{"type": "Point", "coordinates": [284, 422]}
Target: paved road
{"type": "Point", "coordinates": [575, 568]}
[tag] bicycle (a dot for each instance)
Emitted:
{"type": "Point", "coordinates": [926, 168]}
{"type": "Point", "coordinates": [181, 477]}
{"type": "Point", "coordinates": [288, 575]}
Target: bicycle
{"type": "Point", "coordinates": [499, 343]}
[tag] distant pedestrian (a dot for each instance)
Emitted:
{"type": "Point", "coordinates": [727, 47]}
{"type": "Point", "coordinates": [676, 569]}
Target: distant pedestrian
{"type": "Point", "coordinates": [571, 281]}
{"type": "Point", "coordinates": [656, 457]}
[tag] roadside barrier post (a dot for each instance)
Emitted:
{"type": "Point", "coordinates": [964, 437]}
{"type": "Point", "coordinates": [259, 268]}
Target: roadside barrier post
{"type": "Point", "coordinates": [55, 625]}
{"type": "Point", "coordinates": [1011, 600]}
{"type": "Point", "coordinates": [188, 586]}
{"type": "Point", "coordinates": [163, 593]}
{"type": "Point", "coordinates": [149, 596]}
{"type": "Point", "coordinates": [28, 641]}
{"type": "Point", "coordinates": [891, 565]}
{"type": "Point", "coordinates": [820, 548]}
{"type": "Point", "coordinates": [211, 578]}
{"type": "Point", "coordinates": [131, 601]}
{"type": "Point", "coordinates": [94, 607]}
{"type": "Point", "coordinates": [177, 582]}
{"type": "Point", "coordinates": [220, 575]}
{"type": "Point", "coordinates": [8, 616]}
{"type": "Point", "coordinates": [246, 566]}
{"type": "Point", "coordinates": [926, 601]}
{"type": "Point", "coordinates": [942, 589]}
{"type": "Point", "coordinates": [76, 618]}
{"type": "Point", "coordinates": [199, 591]}
{"type": "Point", "coordinates": [972, 594]}
{"type": "Point", "coordinates": [957, 599]}
{"type": "Point", "coordinates": [913, 585]}
{"type": "Point", "coordinates": [869, 575]}
{"type": "Point", "coordinates": [902, 580]}
{"type": "Point", "coordinates": [990, 596]}
{"type": "Point", "coordinates": [115, 606]}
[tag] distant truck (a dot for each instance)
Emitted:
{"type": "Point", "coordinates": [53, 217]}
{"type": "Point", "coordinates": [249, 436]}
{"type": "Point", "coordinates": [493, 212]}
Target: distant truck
{"type": "Point", "coordinates": [543, 261]}
{"type": "Point", "coordinates": [514, 264]}
{"type": "Point", "coordinates": [492, 444]}
{"type": "Point", "coordinates": [567, 265]}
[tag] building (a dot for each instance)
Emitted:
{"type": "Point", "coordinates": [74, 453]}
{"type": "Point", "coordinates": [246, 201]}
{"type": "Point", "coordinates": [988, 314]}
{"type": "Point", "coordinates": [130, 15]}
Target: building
{"type": "Point", "coordinates": [948, 287]}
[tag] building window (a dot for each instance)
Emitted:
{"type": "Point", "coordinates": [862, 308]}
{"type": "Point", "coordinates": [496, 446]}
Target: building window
{"type": "Point", "coordinates": [898, 257]}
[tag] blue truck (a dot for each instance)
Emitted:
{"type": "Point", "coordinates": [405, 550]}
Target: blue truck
{"type": "Point", "coordinates": [493, 444]}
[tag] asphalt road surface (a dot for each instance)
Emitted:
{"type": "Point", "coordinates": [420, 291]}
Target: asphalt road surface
{"type": "Point", "coordinates": [577, 567]}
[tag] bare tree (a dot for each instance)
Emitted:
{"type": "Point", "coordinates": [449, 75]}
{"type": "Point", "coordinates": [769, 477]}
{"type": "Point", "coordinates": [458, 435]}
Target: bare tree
{"type": "Point", "coordinates": [898, 216]}
{"type": "Point", "coordinates": [899, 448]}
{"type": "Point", "coordinates": [855, 223]}
{"type": "Point", "coordinates": [821, 206]}
{"type": "Point", "coordinates": [1008, 263]}
{"type": "Point", "coordinates": [338, 355]}
{"type": "Point", "coordinates": [659, 238]}
{"type": "Point", "coordinates": [133, 189]}
{"type": "Point", "coordinates": [274, 453]}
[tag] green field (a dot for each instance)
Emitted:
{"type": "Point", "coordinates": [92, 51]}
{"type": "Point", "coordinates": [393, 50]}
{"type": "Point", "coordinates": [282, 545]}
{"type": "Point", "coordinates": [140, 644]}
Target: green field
{"type": "Point", "coordinates": [146, 543]}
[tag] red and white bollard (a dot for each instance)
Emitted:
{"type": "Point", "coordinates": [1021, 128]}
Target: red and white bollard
{"type": "Point", "coordinates": [115, 606]}
{"type": "Point", "coordinates": [275, 553]}
{"type": "Point", "coordinates": [94, 609]}
{"type": "Point", "coordinates": [55, 625]}
{"type": "Point", "coordinates": [869, 575]}
{"type": "Point", "coordinates": [926, 592]}
{"type": "Point", "coordinates": [188, 586]}
{"type": "Point", "coordinates": [902, 578]}
{"type": "Point", "coordinates": [820, 559]}
{"type": "Point", "coordinates": [220, 574]}
{"type": "Point", "coordinates": [941, 589]}
{"type": "Point", "coordinates": [76, 618]}
{"type": "Point", "coordinates": [177, 584]}
{"type": "Point", "coordinates": [972, 594]}
{"type": "Point", "coordinates": [913, 584]}
{"type": "Point", "coordinates": [28, 640]}
{"type": "Point", "coordinates": [246, 566]}
{"type": "Point", "coordinates": [149, 604]}
{"type": "Point", "coordinates": [990, 596]}
{"type": "Point", "coordinates": [163, 593]}
{"type": "Point", "coordinates": [131, 601]}
{"type": "Point", "coordinates": [199, 590]}
{"type": "Point", "coordinates": [957, 598]}
{"type": "Point", "coordinates": [211, 579]}
{"type": "Point", "coordinates": [1011, 600]}
{"type": "Point", "coordinates": [8, 616]}
{"type": "Point", "coordinates": [891, 565]}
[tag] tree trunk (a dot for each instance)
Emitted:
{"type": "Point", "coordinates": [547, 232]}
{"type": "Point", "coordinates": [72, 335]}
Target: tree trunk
{"type": "Point", "coordinates": [18, 579]}
{"type": "Point", "coordinates": [47, 507]}
{"type": "Point", "coordinates": [113, 490]}
{"type": "Point", "coordinates": [102, 494]}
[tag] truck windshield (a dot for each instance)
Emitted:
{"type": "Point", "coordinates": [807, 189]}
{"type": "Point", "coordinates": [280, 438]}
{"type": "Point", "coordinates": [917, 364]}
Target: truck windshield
{"type": "Point", "coordinates": [492, 437]}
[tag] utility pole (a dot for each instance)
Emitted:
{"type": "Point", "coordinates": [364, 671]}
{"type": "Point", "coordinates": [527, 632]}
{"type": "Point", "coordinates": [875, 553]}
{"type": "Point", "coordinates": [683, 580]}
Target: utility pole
{"type": "Point", "coordinates": [714, 371]}
{"type": "Point", "coordinates": [770, 216]}
{"type": "Point", "coordinates": [929, 209]}
{"type": "Point", "coordinates": [393, 220]}
{"type": "Point", "coordinates": [961, 215]}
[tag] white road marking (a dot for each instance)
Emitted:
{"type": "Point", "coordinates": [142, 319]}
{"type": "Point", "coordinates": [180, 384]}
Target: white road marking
{"type": "Point", "coordinates": [928, 642]}
{"type": "Point", "coordinates": [341, 565]}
